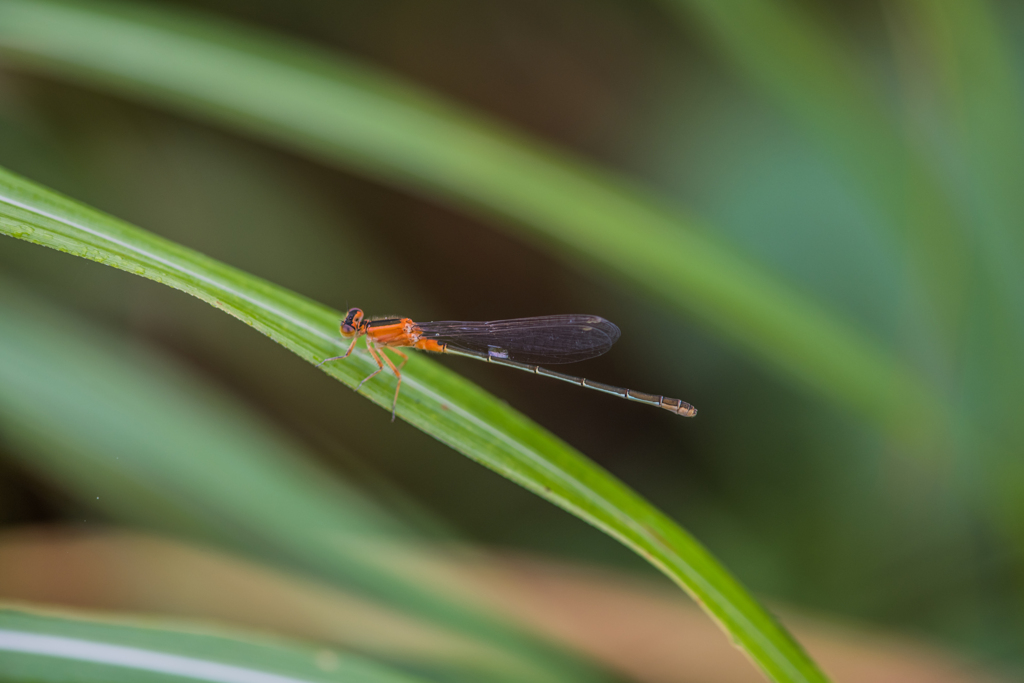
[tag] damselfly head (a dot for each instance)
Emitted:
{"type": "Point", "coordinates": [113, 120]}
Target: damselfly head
{"type": "Point", "coordinates": [353, 319]}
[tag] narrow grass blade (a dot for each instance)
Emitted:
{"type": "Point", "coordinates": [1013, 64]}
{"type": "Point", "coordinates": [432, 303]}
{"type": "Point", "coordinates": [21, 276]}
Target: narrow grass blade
{"type": "Point", "coordinates": [351, 115]}
{"type": "Point", "coordinates": [435, 400]}
{"type": "Point", "coordinates": [47, 647]}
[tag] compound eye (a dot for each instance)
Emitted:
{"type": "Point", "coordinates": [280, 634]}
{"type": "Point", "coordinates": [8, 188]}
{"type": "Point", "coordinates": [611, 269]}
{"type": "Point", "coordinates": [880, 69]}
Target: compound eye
{"type": "Point", "coordinates": [350, 324]}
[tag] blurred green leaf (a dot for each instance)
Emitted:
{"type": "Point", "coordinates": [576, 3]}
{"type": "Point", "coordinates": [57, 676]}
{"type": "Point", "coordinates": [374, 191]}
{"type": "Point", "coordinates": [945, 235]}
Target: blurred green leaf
{"type": "Point", "coordinates": [435, 400]}
{"type": "Point", "coordinates": [65, 649]}
{"type": "Point", "coordinates": [961, 52]}
{"type": "Point", "coordinates": [143, 441]}
{"type": "Point", "coordinates": [958, 52]}
{"type": "Point", "coordinates": [959, 58]}
{"type": "Point", "coordinates": [828, 89]}
{"type": "Point", "coordinates": [349, 114]}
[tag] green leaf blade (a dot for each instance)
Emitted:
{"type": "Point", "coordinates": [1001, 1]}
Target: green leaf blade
{"type": "Point", "coordinates": [435, 400]}
{"type": "Point", "coordinates": [48, 647]}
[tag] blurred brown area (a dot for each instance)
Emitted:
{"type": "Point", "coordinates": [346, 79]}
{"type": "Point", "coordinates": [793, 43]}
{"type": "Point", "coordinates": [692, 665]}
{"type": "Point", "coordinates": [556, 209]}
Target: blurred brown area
{"type": "Point", "coordinates": [645, 631]}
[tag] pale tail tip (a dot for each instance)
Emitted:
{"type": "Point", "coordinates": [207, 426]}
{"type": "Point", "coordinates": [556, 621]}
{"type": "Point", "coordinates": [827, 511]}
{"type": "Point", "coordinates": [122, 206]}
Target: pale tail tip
{"type": "Point", "coordinates": [678, 407]}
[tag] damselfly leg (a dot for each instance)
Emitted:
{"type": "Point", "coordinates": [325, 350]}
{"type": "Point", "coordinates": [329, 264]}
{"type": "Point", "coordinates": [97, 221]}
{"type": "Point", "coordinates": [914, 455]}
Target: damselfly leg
{"type": "Point", "coordinates": [380, 366]}
{"type": "Point", "coordinates": [347, 353]}
{"type": "Point", "coordinates": [394, 403]}
{"type": "Point", "coordinates": [378, 353]}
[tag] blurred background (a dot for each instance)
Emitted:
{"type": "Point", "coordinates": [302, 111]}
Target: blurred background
{"type": "Point", "coordinates": [902, 218]}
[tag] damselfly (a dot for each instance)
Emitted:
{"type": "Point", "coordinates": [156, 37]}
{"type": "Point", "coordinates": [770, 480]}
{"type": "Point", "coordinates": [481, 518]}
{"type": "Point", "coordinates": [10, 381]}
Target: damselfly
{"type": "Point", "coordinates": [522, 343]}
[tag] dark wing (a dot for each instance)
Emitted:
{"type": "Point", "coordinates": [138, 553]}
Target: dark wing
{"type": "Point", "coordinates": [547, 340]}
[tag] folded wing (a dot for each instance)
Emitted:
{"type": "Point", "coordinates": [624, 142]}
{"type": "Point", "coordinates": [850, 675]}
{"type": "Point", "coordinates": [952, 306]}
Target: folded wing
{"type": "Point", "coordinates": [545, 340]}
